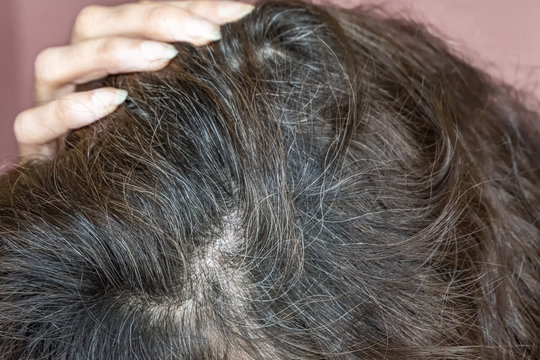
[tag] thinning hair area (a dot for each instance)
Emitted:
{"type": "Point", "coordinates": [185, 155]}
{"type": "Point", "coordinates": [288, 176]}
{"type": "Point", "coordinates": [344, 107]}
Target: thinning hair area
{"type": "Point", "coordinates": [319, 184]}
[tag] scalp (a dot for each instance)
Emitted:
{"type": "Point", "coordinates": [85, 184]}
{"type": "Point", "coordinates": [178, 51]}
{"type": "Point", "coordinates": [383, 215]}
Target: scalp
{"type": "Point", "coordinates": [315, 185]}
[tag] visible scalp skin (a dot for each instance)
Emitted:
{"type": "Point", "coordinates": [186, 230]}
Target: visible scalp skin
{"type": "Point", "coordinates": [316, 185]}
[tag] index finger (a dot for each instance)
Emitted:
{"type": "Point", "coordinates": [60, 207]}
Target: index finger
{"type": "Point", "coordinates": [192, 21]}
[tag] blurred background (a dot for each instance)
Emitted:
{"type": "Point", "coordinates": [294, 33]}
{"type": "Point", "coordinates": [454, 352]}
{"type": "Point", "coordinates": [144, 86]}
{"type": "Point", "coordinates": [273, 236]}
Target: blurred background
{"type": "Point", "coordinates": [501, 36]}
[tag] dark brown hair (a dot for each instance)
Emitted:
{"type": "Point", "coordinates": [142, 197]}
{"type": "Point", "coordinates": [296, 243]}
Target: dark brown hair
{"type": "Point", "coordinates": [319, 184]}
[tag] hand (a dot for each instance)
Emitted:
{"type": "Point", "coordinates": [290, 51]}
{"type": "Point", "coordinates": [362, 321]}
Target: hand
{"type": "Point", "coordinates": [109, 40]}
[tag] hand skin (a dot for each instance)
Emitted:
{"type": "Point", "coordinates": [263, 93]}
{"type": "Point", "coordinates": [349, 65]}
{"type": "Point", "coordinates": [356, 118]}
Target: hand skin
{"type": "Point", "coordinates": [109, 40]}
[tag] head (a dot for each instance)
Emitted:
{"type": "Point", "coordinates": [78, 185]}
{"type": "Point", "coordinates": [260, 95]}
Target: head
{"type": "Point", "coordinates": [319, 184]}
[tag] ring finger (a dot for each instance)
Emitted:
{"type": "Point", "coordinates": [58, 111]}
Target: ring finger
{"type": "Point", "coordinates": [64, 66]}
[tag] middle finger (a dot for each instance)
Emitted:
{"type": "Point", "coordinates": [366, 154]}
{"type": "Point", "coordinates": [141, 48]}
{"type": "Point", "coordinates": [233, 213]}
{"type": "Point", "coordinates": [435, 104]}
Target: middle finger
{"type": "Point", "coordinates": [95, 59]}
{"type": "Point", "coordinates": [158, 21]}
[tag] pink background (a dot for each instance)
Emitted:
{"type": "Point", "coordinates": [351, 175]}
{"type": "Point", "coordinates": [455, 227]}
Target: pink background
{"type": "Point", "coordinates": [501, 36]}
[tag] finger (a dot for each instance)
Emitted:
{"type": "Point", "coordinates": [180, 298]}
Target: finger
{"type": "Point", "coordinates": [37, 129]}
{"type": "Point", "coordinates": [95, 59]}
{"type": "Point", "coordinates": [157, 21]}
{"type": "Point", "coordinates": [220, 12]}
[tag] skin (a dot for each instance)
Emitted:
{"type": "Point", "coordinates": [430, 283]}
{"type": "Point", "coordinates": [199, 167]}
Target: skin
{"type": "Point", "coordinates": [109, 40]}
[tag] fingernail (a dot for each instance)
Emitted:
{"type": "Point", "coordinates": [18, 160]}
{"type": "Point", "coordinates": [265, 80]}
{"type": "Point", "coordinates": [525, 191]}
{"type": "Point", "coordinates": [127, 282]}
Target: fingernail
{"type": "Point", "coordinates": [233, 11]}
{"type": "Point", "coordinates": [106, 97]}
{"type": "Point", "coordinates": [152, 50]}
{"type": "Point", "coordinates": [203, 30]}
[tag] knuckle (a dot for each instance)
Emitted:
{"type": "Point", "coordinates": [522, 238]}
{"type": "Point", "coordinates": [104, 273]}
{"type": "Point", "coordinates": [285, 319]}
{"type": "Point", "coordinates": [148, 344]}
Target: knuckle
{"type": "Point", "coordinates": [108, 48]}
{"type": "Point", "coordinates": [43, 67]}
{"type": "Point", "coordinates": [160, 14]}
{"type": "Point", "coordinates": [196, 6]}
{"type": "Point", "coordinates": [122, 12]}
{"type": "Point", "coordinates": [60, 109]}
{"type": "Point", "coordinates": [85, 20]}
{"type": "Point", "coordinates": [20, 126]}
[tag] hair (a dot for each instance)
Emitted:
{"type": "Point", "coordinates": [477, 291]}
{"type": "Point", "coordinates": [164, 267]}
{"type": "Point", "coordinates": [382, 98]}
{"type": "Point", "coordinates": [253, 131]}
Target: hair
{"type": "Point", "coordinates": [319, 184]}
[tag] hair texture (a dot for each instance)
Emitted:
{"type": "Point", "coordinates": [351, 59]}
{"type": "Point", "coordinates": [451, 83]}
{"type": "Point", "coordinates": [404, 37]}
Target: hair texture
{"type": "Point", "coordinates": [319, 184]}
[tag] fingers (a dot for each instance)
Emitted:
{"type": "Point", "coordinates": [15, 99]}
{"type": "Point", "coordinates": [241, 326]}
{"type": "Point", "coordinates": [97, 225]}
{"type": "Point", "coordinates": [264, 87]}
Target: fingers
{"type": "Point", "coordinates": [220, 12]}
{"type": "Point", "coordinates": [126, 38]}
{"type": "Point", "coordinates": [196, 22]}
{"type": "Point", "coordinates": [102, 53]}
{"type": "Point", "coordinates": [95, 59]}
{"type": "Point", "coordinates": [37, 129]}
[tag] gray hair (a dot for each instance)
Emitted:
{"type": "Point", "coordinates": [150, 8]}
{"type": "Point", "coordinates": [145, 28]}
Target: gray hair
{"type": "Point", "coordinates": [316, 185]}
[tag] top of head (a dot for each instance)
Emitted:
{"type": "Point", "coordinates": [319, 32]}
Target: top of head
{"type": "Point", "coordinates": [316, 184]}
